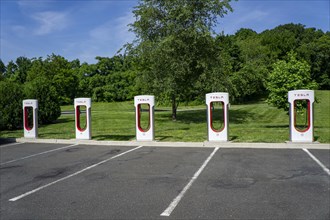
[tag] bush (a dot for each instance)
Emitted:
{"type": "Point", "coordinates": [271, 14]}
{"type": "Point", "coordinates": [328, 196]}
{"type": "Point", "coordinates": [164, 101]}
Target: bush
{"type": "Point", "coordinates": [11, 110]}
{"type": "Point", "coordinates": [49, 106]}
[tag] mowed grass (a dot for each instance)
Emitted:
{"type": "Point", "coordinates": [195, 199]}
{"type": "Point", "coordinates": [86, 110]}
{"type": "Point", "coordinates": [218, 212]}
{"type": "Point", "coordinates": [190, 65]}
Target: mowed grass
{"type": "Point", "coordinates": [255, 122]}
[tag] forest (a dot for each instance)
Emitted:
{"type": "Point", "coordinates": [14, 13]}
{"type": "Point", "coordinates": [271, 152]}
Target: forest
{"type": "Point", "coordinates": [244, 64]}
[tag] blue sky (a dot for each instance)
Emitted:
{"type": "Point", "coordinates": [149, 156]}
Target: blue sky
{"type": "Point", "coordinates": [85, 29]}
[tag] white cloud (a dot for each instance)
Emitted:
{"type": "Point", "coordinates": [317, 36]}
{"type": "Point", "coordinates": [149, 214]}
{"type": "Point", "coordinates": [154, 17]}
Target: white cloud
{"type": "Point", "coordinates": [114, 30]}
{"type": "Point", "coordinates": [50, 21]}
{"type": "Point", "coordinates": [246, 18]}
{"type": "Point", "coordinates": [104, 40]}
{"type": "Point", "coordinates": [27, 4]}
{"type": "Point", "coordinates": [123, 29]}
{"type": "Point", "coordinates": [19, 29]}
{"type": "Point", "coordinates": [253, 16]}
{"type": "Point", "coordinates": [10, 51]}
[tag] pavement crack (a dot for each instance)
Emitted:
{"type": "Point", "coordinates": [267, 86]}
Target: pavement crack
{"type": "Point", "coordinates": [51, 174]}
{"type": "Point", "coordinates": [234, 183]}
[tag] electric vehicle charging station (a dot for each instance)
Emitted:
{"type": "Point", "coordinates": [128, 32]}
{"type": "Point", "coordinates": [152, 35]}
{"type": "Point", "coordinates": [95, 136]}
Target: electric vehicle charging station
{"type": "Point", "coordinates": [144, 133]}
{"type": "Point", "coordinates": [301, 133]}
{"type": "Point", "coordinates": [83, 131]}
{"type": "Point", "coordinates": [30, 118]}
{"type": "Point", "coordinates": [217, 133]}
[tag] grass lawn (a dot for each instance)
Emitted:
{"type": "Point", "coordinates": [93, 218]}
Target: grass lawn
{"type": "Point", "coordinates": [256, 122]}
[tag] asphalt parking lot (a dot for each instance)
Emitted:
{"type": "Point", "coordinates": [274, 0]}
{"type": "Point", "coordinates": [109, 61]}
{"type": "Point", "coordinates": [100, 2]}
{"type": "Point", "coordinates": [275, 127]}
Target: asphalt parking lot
{"type": "Point", "coordinates": [71, 181]}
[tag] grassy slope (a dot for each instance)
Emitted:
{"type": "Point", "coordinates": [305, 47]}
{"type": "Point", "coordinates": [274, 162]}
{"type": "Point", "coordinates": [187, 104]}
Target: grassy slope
{"type": "Point", "coordinates": [322, 117]}
{"type": "Point", "coordinates": [256, 122]}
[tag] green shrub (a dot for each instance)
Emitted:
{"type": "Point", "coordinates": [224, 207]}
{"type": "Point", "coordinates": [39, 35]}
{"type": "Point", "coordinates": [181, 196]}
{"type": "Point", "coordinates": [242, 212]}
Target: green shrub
{"type": "Point", "coordinates": [11, 110]}
{"type": "Point", "coordinates": [49, 105]}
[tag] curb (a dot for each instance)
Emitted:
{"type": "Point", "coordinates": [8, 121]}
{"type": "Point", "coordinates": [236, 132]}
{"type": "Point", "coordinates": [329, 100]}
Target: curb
{"type": "Point", "coordinates": [287, 145]}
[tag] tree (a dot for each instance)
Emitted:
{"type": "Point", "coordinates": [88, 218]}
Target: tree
{"type": "Point", "coordinates": [174, 44]}
{"type": "Point", "coordinates": [252, 65]}
{"type": "Point", "coordinates": [23, 66]}
{"type": "Point", "coordinates": [224, 59]}
{"type": "Point", "coordinates": [10, 69]}
{"type": "Point", "coordinates": [106, 65]}
{"type": "Point", "coordinates": [65, 83]}
{"type": "Point", "coordinates": [290, 74]}
{"type": "Point", "coordinates": [59, 70]}
{"type": "Point", "coordinates": [317, 54]}
{"type": "Point", "coordinates": [62, 73]}
{"type": "Point", "coordinates": [245, 33]}
{"type": "Point", "coordinates": [2, 70]}
{"type": "Point", "coordinates": [36, 70]}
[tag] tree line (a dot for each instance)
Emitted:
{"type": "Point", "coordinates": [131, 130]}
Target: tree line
{"type": "Point", "coordinates": [247, 64]}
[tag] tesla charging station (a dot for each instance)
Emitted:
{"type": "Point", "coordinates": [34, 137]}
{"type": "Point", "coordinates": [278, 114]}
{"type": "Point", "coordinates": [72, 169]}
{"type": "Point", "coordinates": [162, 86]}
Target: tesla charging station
{"type": "Point", "coordinates": [83, 131]}
{"type": "Point", "coordinates": [220, 132]}
{"type": "Point", "coordinates": [301, 129]}
{"type": "Point", "coordinates": [144, 109]}
{"type": "Point", "coordinates": [30, 118]}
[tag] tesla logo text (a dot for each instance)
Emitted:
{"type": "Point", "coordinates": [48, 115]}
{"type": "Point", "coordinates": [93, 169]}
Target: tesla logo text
{"type": "Point", "coordinates": [143, 100]}
{"type": "Point", "coordinates": [216, 97]}
{"type": "Point", "coordinates": [301, 95]}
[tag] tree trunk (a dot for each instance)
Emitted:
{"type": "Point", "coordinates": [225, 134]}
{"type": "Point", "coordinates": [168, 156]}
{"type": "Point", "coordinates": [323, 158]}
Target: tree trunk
{"type": "Point", "coordinates": [174, 107]}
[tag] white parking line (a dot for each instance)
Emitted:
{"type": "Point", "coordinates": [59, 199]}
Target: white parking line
{"type": "Point", "coordinates": [176, 201]}
{"type": "Point", "coordinates": [71, 175]}
{"type": "Point", "coordinates": [317, 161]}
{"type": "Point", "coordinates": [33, 155]}
{"type": "Point", "coordinates": [11, 144]}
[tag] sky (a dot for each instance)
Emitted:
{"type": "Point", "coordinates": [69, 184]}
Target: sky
{"type": "Point", "coordinates": [84, 29]}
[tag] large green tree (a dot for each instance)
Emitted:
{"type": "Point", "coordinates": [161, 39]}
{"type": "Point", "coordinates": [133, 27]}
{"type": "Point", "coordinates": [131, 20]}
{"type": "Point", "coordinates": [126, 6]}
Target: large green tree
{"type": "Point", "coordinates": [289, 74]}
{"type": "Point", "coordinates": [174, 44]}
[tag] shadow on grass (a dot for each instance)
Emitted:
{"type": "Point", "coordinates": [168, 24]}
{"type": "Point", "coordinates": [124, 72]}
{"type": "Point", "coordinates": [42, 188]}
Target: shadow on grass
{"type": "Point", "coordinates": [232, 138]}
{"type": "Point", "coordinates": [162, 138]}
{"type": "Point", "coordinates": [66, 121]}
{"type": "Point", "coordinates": [193, 116]}
{"type": "Point", "coordinates": [275, 126]}
{"type": "Point", "coordinates": [161, 110]}
{"type": "Point", "coordinates": [114, 137]}
{"type": "Point", "coordinates": [187, 117]}
{"type": "Point", "coordinates": [240, 116]}
{"type": "Point", "coordinates": [199, 116]}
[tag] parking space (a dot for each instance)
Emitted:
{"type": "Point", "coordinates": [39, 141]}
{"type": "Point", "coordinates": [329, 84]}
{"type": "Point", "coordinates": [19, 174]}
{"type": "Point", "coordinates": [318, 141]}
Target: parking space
{"type": "Point", "coordinates": [136, 182]}
{"type": "Point", "coordinates": [258, 184]}
{"type": "Point", "coordinates": [13, 152]}
{"type": "Point", "coordinates": [26, 174]}
{"type": "Point", "coordinates": [323, 156]}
